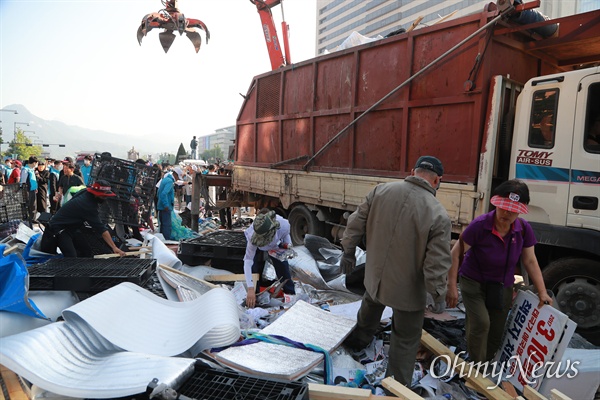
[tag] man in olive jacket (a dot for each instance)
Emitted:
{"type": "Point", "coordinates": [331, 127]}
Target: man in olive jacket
{"type": "Point", "coordinates": [408, 254]}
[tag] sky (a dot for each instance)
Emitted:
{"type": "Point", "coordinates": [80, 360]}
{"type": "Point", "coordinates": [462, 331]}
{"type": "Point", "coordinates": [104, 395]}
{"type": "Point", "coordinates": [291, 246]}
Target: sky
{"type": "Point", "coordinates": [79, 62]}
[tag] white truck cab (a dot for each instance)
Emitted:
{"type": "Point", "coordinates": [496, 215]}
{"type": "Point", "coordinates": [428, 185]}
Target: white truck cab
{"type": "Point", "coordinates": [556, 151]}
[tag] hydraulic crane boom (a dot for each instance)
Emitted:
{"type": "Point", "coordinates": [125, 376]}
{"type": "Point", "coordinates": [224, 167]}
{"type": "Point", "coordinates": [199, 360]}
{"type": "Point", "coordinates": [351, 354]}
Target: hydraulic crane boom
{"type": "Point", "coordinates": [276, 55]}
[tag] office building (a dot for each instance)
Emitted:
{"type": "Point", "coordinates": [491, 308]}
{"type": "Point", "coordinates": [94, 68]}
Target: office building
{"type": "Point", "coordinates": [222, 137]}
{"type": "Point", "coordinates": [337, 19]}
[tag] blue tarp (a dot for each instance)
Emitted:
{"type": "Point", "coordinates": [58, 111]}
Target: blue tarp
{"type": "Point", "coordinates": [36, 257]}
{"type": "Point", "coordinates": [14, 285]}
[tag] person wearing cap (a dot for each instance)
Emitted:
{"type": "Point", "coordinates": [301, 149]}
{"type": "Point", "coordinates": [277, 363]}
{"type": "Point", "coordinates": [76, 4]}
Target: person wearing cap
{"type": "Point", "coordinates": [166, 200]}
{"type": "Point", "coordinates": [76, 170]}
{"type": "Point", "coordinates": [492, 246]}
{"type": "Point", "coordinates": [42, 176]}
{"type": "Point", "coordinates": [63, 230]}
{"type": "Point", "coordinates": [15, 175]}
{"type": "Point", "coordinates": [86, 169]}
{"type": "Point", "coordinates": [68, 180]}
{"type": "Point", "coordinates": [408, 247]}
{"type": "Point", "coordinates": [269, 231]}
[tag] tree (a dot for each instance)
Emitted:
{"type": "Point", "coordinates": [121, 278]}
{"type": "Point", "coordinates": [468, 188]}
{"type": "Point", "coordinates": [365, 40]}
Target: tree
{"type": "Point", "coordinates": [181, 153]}
{"type": "Point", "coordinates": [166, 158]}
{"type": "Point", "coordinates": [212, 155]}
{"type": "Point", "coordinates": [22, 146]}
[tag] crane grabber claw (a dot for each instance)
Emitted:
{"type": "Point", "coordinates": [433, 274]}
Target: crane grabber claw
{"type": "Point", "coordinates": [171, 20]}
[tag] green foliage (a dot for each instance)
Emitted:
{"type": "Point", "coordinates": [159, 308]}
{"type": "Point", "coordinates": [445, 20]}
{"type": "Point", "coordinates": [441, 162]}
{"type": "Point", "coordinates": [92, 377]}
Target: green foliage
{"type": "Point", "coordinates": [211, 156]}
{"type": "Point", "coordinates": [166, 158]}
{"type": "Point", "coordinates": [22, 147]}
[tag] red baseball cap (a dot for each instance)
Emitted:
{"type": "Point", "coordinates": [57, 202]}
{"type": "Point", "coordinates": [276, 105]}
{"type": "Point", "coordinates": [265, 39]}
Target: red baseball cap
{"type": "Point", "coordinates": [101, 188]}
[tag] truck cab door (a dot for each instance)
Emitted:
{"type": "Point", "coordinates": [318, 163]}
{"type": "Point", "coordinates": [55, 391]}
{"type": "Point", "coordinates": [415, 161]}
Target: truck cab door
{"type": "Point", "coordinates": [542, 143]}
{"type": "Point", "coordinates": [584, 186]}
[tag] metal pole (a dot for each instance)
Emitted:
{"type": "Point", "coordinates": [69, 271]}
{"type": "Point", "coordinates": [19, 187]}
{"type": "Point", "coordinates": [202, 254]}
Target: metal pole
{"type": "Point", "coordinates": [420, 72]}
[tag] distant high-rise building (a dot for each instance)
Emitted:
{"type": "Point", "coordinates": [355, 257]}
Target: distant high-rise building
{"type": "Point", "coordinates": [337, 19]}
{"type": "Point", "coordinates": [222, 137]}
{"type": "Point", "coordinates": [588, 5]}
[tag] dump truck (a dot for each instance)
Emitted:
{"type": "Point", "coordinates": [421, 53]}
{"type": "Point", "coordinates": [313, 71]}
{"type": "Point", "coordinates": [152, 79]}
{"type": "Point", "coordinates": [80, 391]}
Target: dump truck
{"type": "Point", "coordinates": [492, 99]}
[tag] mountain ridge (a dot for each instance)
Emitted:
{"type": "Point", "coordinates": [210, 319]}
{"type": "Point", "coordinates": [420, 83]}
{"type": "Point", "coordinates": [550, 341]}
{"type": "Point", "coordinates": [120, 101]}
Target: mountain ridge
{"type": "Point", "coordinates": [78, 139]}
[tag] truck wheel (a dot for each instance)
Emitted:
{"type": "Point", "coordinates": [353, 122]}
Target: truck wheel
{"type": "Point", "coordinates": [303, 222]}
{"type": "Point", "coordinates": [576, 285]}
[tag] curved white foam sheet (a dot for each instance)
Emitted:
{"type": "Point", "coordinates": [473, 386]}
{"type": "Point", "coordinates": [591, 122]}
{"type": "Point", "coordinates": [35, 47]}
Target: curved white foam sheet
{"type": "Point", "coordinates": [136, 320]}
{"type": "Point", "coordinates": [74, 360]}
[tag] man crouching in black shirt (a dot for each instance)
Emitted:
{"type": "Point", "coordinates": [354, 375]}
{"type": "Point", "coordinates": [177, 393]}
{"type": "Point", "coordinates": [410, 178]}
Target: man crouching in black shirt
{"type": "Point", "coordinates": [63, 230]}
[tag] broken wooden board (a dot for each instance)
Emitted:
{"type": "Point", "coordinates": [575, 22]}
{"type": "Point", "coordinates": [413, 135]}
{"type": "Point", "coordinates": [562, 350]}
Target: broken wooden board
{"type": "Point", "coordinates": [471, 375]}
{"type": "Point", "coordinates": [13, 386]}
{"type": "Point", "coordinates": [399, 389]}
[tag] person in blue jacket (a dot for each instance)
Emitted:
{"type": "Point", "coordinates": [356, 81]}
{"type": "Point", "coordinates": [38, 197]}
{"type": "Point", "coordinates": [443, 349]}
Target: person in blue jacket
{"type": "Point", "coordinates": [166, 200]}
{"type": "Point", "coordinates": [86, 169]}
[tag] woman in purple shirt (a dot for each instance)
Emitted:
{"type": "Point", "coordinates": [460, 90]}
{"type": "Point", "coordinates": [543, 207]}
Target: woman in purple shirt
{"type": "Point", "coordinates": [492, 245]}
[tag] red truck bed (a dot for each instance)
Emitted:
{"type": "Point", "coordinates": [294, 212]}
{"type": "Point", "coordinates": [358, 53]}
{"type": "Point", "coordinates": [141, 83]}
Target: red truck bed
{"type": "Point", "coordinates": [290, 113]}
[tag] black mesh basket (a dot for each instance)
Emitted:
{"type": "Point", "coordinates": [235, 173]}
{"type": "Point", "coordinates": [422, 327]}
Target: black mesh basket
{"type": "Point", "coordinates": [133, 183]}
{"type": "Point", "coordinates": [13, 208]}
{"type": "Point", "coordinates": [88, 274]}
{"type": "Point", "coordinates": [225, 249]}
{"type": "Point", "coordinates": [209, 384]}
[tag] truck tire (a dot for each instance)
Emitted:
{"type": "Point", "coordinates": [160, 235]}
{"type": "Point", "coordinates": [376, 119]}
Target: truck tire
{"type": "Point", "coordinates": [303, 222]}
{"type": "Point", "coordinates": [576, 285]}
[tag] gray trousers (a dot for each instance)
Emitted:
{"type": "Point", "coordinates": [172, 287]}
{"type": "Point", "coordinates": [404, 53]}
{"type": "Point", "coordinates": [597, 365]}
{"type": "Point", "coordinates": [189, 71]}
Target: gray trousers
{"type": "Point", "coordinates": [484, 328]}
{"type": "Point", "coordinates": [404, 342]}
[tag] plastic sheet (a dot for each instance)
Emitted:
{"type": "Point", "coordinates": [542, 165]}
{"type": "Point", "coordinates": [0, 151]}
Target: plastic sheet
{"type": "Point", "coordinates": [179, 231]}
{"type": "Point", "coordinates": [14, 287]}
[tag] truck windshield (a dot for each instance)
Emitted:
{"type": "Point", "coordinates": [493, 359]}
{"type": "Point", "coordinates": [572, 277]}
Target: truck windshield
{"type": "Point", "coordinates": [543, 118]}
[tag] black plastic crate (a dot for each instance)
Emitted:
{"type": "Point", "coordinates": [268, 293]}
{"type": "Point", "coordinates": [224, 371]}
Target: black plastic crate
{"type": "Point", "coordinates": [225, 249]}
{"type": "Point", "coordinates": [134, 185]}
{"type": "Point", "coordinates": [89, 274]}
{"type": "Point", "coordinates": [154, 286]}
{"type": "Point", "coordinates": [13, 203]}
{"type": "Point", "coordinates": [209, 384]}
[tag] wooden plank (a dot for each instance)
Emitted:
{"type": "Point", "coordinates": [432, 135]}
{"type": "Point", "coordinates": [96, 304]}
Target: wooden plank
{"type": "Point", "coordinates": [399, 389]}
{"type": "Point", "coordinates": [471, 375]}
{"type": "Point", "coordinates": [15, 391]}
{"type": "Point", "coordinates": [531, 394]}
{"type": "Point", "coordinates": [175, 271]}
{"type": "Point", "coordinates": [556, 395]}
{"type": "Point", "coordinates": [510, 389]}
{"type": "Point", "coordinates": [127, 253]}
{"type": "Point", "coordinates": [229, 277]}
{"type": "Point", "coordinates": [326, 392]}
{"type": "Point", "coordinates": [445, 17]}
{"type": "Point", "coordinates": [414, 24]}
{"type": "Point", "coordinates": [10, 249]}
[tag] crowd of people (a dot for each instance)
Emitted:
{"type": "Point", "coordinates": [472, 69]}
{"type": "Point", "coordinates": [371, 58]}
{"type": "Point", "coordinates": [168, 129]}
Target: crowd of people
{"type": "Point", "coordinates": [47, 180]}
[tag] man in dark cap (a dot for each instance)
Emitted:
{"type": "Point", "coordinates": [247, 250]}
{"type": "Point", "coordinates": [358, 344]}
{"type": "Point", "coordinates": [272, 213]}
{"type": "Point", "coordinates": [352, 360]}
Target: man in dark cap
{"type": "Point", "coordinates": [63, 230]}
{"type": "Point", "coordinates": [268, 232]}
{"type": "Point", "coordinates": [408, 249]}
{"type": "Point", "coordinates": [76, 170]}
{"type": "Point", "coordinates": [42, 176]}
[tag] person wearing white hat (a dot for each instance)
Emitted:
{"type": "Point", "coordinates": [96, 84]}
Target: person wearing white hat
{"type": "Point", "coordinates": [166, 200]}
